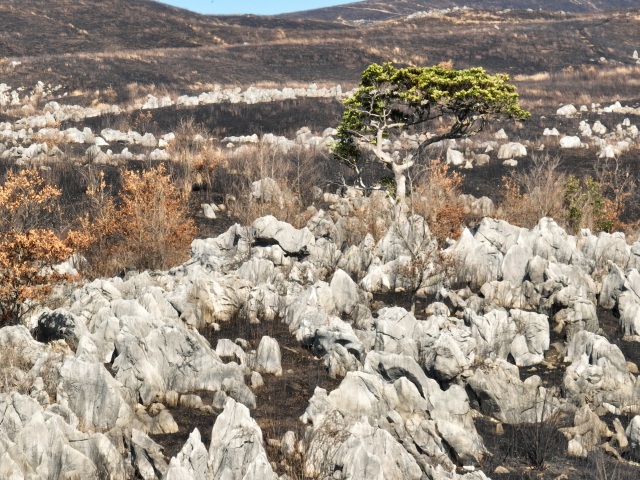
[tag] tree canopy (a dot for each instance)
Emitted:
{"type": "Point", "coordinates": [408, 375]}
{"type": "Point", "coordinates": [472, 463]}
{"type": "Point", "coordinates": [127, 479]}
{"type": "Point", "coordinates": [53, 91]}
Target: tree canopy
{"type": "Point", "coordinates": [391, 100]}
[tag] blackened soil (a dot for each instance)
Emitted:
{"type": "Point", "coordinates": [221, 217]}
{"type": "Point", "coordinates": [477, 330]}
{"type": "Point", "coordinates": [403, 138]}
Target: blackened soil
{"type": "Point", "coordinates": [517, 448]}
{"type": "Point", "coordinates": [609, 324]}
{"type": "Point", "coordinates": [228, 119]}
{"type": "Point", "coordinates": [281, 400]}
{"type": "Point", "coordinates": [187, 419]}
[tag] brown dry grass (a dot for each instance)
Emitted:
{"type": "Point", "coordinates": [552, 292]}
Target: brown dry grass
{"type": "Point", "coordinates": [580, 86]}
{"type": "Point", "coordinates": [296, 173]}
{"type": "Point", "coordinates": [535, 193]}
{"type": "Point", "coordinates": [146, 227]}
{"type": "Point", "coordinates": [435, 196]}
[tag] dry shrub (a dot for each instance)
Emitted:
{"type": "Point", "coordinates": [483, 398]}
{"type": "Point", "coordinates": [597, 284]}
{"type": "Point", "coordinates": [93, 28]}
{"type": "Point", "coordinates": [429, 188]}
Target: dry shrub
{"type": "Point", "coordinates": [28, 250]}
{"type": "Point", "coordinates": [295, 172]}
{"type": "Point", "coordinates": [286, 207]}
{"type": "Point", "coordinates": [436, 197]}
{"type": "Point", "coordinates": [148, 229]}
{"type": "Point", "coordinates": [14, 366]}
{"type": "Point", "coordinates": [194, 161]}
{"type": "Point", "coordinates": [375, 218]}
{"type": "Point", "coordinates": [618, 185]}
{"type": "Point", "coordinates": [535, 193]}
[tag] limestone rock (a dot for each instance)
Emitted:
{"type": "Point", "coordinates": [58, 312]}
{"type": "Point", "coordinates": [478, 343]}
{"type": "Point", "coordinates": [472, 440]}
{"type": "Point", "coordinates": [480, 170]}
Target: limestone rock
{"type": "Point", "coordinates": [567, 110]}
{"type": "Point", "coordinates": [633, 434]}
{"type": "Point", "coordinates": [570, 142]}
{"type": "Point", "coordinates": [236, 451]}
{"type": "Point", "coordinates": [267, 190]}
{"type": "Point", "coordinates": [586, 433]}
{"type": "Point", "coordinates": [268, 358]}
{"type": "Point", "coordinates": [512, 150]}
{"type": "Point", "coordinates": [499, 393]}
{"type": "Point", "coordinates": [191, 462]}
{"type": "Point", "coordinates": [455, 158]}
{"type": "Point", "coordinates": [291, 240]}
{"type": "Point", "coordinates": [598, 369]}
{"type": "Point", "coordinates": [93, 395]}
{"type": "Point", "coordinates": [40, 444]}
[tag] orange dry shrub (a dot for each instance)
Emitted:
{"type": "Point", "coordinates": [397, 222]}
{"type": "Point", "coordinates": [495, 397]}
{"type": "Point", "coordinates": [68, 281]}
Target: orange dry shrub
{"type": "Point", "coordinates": [28, 250]}
{"type": "Point", "coordinates": [153, 220]}
{"type": "Point", "coordinates": [26, 274]}
{"type": "Point", "coordinates": [436, 198]}
{"type": "Point", "coordinates": [517, 207]}
{"type": "Point", "coordinates": [148, 229]}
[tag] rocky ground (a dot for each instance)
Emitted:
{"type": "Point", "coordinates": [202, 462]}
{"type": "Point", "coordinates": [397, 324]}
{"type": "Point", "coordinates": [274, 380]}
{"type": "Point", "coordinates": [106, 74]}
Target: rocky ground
{"type": "Point", "coordinates": [310, 352]}
{"type": "Point", "coordinates": [272, 352]}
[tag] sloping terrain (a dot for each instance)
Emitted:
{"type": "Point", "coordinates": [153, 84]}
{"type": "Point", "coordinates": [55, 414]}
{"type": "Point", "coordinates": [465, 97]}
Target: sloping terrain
{"type": "Point", "coordinates": [342, 339]}
{"type": "Point", "coordinates": [67, 27]}
{"type": "Point", "coordinates": [183, 51]}
{"type": "Point", "coordinates": [375, 10]}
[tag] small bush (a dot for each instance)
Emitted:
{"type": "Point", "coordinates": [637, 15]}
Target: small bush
{"type": "Point", "coordinates": [535, 193]}
{"type": "Point", "coordinates": [28, 250]}
{"type": "Point", "coordinates": [146, 228]}
{"type": "Point", "coordinates": [436, 197]}
{"type": "Point", "coordinates": [295, 172]}
{"type": "Point", "coordinates": [587, 207]}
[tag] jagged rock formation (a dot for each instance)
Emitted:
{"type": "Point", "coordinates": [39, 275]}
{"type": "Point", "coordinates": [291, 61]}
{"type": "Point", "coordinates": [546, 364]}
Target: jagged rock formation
{"type": "Point", "coordinates": [410, 383]}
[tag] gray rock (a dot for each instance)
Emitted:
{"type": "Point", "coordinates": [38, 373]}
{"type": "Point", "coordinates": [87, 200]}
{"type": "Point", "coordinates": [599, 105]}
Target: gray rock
{"type": "Point", "coordinates": [149, 458]}
{"type": "Point", "coordinates": [570, 142]}
{"type": "Point", "coordinates": [191, 462]}
{"type": "Point", "coordinates": [345, 292]}
{"type": "Point", "coordinates": [499, 393]}
{"type": "Point", "coordinates": [629, 322]}
{"type": "Point", "coordinates": [612, 286]}
{"type": "Point", "coordinates": [97, 399]}
{"type": "Point", "coordinates": [236, 451]}
{"type": "Point", "coordinates": [598, 370]}
{"type": "Point", "coordinates": [389, 390]}
{"type": "Point", "coordinates": [39, 444]}
{"type": "Point", "coordinates": [586, 434]}
{"type": "Point", "coordinates": [208, 211]}
{"type": "Point", "coordinates": [290, 239]}
{"type": "Point", "coordinates": [479, 262]}
{"type": "Point", "coordinates": [256, 380]}
{"type": "Point", "coordinates": [512, 150]}
{"type": "Point", "coordinates": [268, 358]}
{"type": "Point", "coordinates": [531, 339]}
{"type": "Point", "coordinates": [225, 348]}
{"type": "Point", "coordinates": [580, 314]}
{"type": "Point", "coordinates": [267, 190]}
{"type": "Point", "coordinates": [454, 157]}
{"type": "Point", "coordinates": [448, 353]}
{"type": "Point", "coordinates": [288, 444]}
{"type": "Point", "coordinates": [567, 110]}
{"type": "Point", "coordinates": [633, 434]}
{"type": "Point", "coordinates": [395, 331]}
{"type": "Point", "coordinates": [514, 264]}
{"type": "Point", "coordinates": [481, 207]}
{"type": "Point", "coordinates": [264, 304]}
{"type": "Point", "coordinates": [493, 332]}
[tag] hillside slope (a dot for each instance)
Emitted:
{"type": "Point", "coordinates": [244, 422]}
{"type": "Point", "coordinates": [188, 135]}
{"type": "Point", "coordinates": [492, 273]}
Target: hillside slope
{"type": "Point", "coordinates": [52, 27]}
{"type": "Point", "coordinates": [134, 46]}
{"type": "Point", "coordinates": [376, 10]}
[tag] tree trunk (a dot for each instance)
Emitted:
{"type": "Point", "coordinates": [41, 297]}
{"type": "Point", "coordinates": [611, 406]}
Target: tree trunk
{"type": "Point", "coordinates": [401, 185]}
{"type": "Point", "coordinates": [401, 179]}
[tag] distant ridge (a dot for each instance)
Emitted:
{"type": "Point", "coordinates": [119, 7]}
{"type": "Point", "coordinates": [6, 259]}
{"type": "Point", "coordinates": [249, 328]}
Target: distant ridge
{"type": "Point", "coordinates": [376, 10]}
